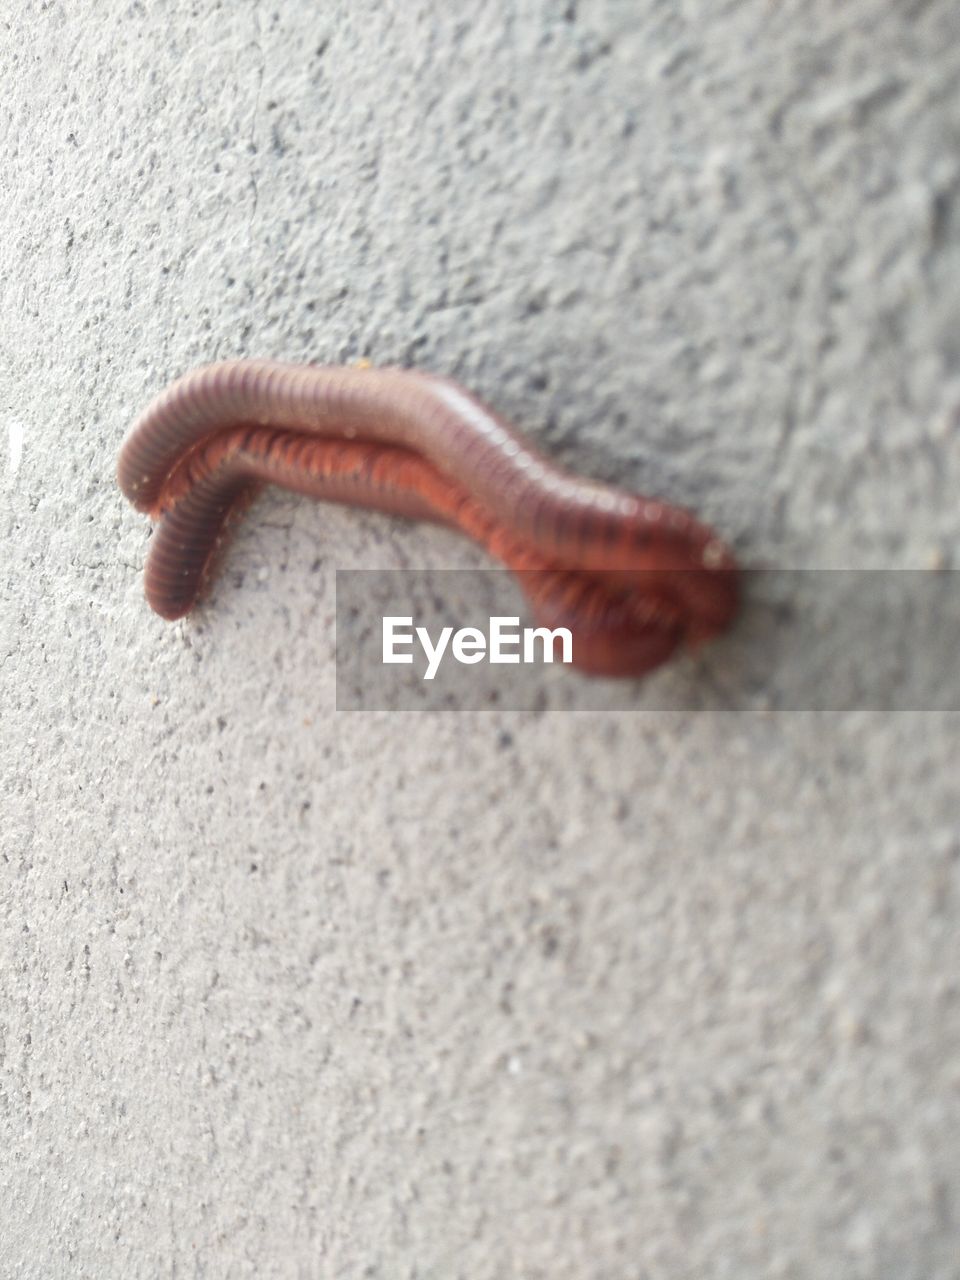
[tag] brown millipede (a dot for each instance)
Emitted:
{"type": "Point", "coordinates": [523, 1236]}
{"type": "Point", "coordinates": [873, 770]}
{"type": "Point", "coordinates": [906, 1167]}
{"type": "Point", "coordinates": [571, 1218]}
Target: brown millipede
{"type": "Point", "coordinates": [632, 577]}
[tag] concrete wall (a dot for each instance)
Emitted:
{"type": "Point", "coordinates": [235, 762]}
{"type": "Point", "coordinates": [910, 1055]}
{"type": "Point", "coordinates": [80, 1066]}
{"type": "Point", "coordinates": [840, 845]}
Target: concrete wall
{"type": "Point", "coordinates": [586, 996]}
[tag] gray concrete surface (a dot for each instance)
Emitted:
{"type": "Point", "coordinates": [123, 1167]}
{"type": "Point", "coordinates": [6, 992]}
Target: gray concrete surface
{"type": "Point", "coordinates": [584, 996]}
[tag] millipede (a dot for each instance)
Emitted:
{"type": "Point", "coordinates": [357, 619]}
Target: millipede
{"type": "Point", "coordinates": [633, 578]}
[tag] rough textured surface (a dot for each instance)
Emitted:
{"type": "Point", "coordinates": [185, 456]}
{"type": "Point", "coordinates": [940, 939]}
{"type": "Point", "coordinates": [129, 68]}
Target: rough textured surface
{"type": "Point", "coordinates": [580, 996]}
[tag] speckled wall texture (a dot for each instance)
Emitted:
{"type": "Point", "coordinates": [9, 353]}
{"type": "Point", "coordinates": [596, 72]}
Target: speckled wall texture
{"type": "Point", "coordinates": [561, 995]}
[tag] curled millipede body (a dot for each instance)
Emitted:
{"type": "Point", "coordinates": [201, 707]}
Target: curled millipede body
{"type": "Point", "coordinates": [632, 577]}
